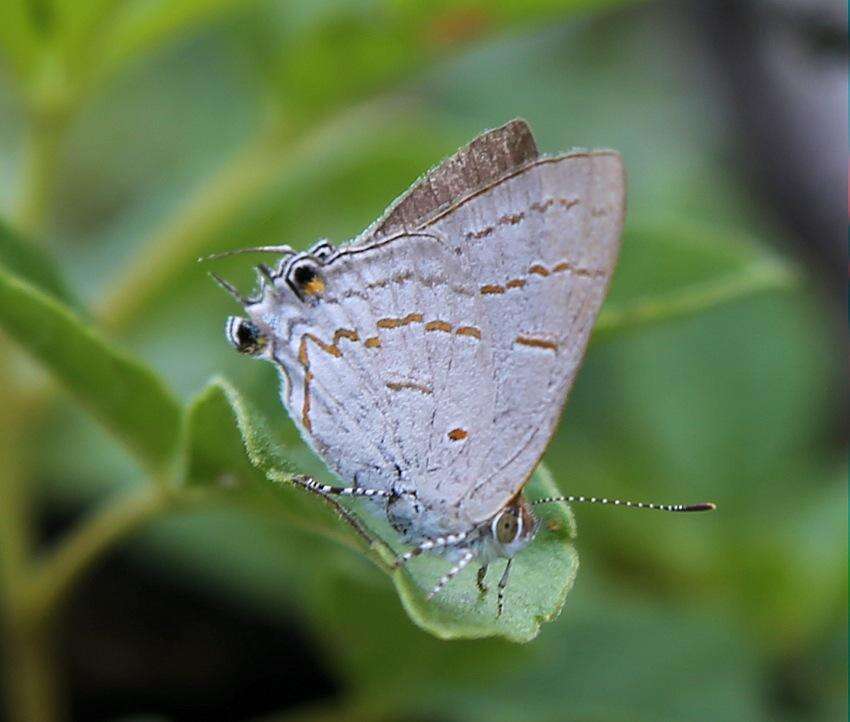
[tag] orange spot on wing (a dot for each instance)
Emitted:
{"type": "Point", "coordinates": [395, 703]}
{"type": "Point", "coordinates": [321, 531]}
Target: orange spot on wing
{"type": "Point", "coordinates": [409, 385]}
{"type": "Point", "coordinates": [469, 331]}
{"type": "Point", "coordinates": [438, 326]}
{"type": "Point", "coordinates": [511, 219]}
{"type": "Point", "coordinates": [305, 406]}
{"type": "Point", "coordinates": [399, 322]}
{"type": "Point", "coordinates": [458, 434]}
{"type": "Point", "coordinates": [328, 348]}
{"type": "Point", "coordinates": [304, 360]}
{"type": "Point", "coordinates": [542, 207]}
{"type": "Point", "coordinates": [347, 333]}
{"type": "Point", "coordinates": [537, 343]}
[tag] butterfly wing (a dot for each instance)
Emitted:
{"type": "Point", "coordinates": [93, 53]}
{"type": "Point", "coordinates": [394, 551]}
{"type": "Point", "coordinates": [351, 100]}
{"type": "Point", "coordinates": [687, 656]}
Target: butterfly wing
{"type": "Point", "coordinates": [356, 382]}
{"type": "Point", "coordinates": [488, 158]}
{"type": "Point", "coordinates": [442, 351]}
{"type": "Point", "coordinates": [539, 247]}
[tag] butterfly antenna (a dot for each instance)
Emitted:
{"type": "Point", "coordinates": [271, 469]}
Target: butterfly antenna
{"type": "Point", "coordinates": [230, 288]}
{"type": "Point", "coordinates": [265, 273]}
{"type": "Point", "coordinates": [279, 250]}
{"type": "Point", "coordinates": [704, 506]}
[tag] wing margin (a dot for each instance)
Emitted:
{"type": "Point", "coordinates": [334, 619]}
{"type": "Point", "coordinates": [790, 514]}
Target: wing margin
{"type": "Point", "coordinates": [486, 159]}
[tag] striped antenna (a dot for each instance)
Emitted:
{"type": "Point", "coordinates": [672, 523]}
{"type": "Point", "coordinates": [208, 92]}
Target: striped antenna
{"type": "Point", "coordinates": [231, 289]}
{"type": "Point", "coordinates": [704, 506]}
{"type": "Point", "coordinates": [265, 273]}
{"type": "Point", "coordinates": [279, 250]}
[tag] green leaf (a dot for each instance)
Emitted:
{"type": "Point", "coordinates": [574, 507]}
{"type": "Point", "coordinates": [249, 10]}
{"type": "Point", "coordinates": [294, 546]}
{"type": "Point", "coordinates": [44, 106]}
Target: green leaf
{"type": "Point", "coordinates": [227, 441]}
{"type": "Point", "coordinates": [126, 396]}
{"type": "Point", "coordinates": [30, 263]}
{"type": "Point", "coordinates": [672, 269]}
{"type": "Point", "coordinates": [19, 38]}
{"type": "Point", "coordinates": [220, 421]}
{"type": "Point", "coordinates": [617, 656]}
{"type": "Point", "coordinates": [83, 42]}
{"type": "Point", "coordinates": [208, 218]}
{"type": "Point", "coordinates": [541, 577]}
{"type": "Point", "coordinates": [139, 28]}
{"type": "Point", "coordinates": [230, 444]}
{"type": "Point", "coordinates": [321, 55]}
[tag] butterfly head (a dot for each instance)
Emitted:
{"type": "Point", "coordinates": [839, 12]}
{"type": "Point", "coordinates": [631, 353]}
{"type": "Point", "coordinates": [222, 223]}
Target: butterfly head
{"type": "Point", "coordinates": [245, 336]}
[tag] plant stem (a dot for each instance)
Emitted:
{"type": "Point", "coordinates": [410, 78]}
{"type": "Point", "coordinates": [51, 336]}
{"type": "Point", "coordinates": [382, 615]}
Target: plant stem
{"type": "Point", "coordinates": [55, 576]}
{"type": "Point", "coordinates": [15, 541]}
{"type": "Point", "coordinates": [28, 662]}
{"type": "Point", "coordinates": [44, 139]}
{"type": "Point", "coordinates": [32, 596]}
{"type": "Point", "coordinates": [269, 158]}
{"type": "Point", "coordinates": [183, 237]}
{"type": "Point", "coordinates": [760, 276]}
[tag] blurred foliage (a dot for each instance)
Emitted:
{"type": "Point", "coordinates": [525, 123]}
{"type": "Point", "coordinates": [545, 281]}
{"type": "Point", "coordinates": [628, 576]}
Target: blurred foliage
{"type": "Point", "coordinates": [138, 135]}
{"type": "Point", "coordinates": [127, 397]}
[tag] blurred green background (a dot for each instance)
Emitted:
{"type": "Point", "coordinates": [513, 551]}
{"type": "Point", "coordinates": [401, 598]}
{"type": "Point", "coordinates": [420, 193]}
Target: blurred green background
{"type": "Point", "coordinates": [136, 136]}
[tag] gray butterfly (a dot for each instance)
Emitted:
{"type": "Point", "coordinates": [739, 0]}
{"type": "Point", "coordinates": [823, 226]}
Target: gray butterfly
{"type": "Point", "coordinates": [428, 360]}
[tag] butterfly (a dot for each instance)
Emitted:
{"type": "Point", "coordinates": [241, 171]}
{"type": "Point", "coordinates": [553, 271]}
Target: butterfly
{"type": "Point", "coordinates": [428, 360]}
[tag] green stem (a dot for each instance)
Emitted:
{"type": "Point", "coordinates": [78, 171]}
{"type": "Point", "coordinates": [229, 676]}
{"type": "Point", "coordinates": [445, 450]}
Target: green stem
{"type": "Point", "coordinates": [15, 541]}
{"type": "Point", "coordinates": [30, 671]}
{"type": "Point", "coordinates": [45, 135]}
{"type": "Point", "coordinates": [56, 575]}
{"type": "Point", "coordinates": [761, 276]}
{"type": "Point", "coordinates": [184, 236]}
{"type": "Point", "coordinates": [28, 662]}
{"type": "Point", "coordinates": [269, 158]}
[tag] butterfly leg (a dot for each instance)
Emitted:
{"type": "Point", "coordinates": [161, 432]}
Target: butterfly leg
{"type": "Point", "coordinates": [503, 582]}
{"type": "Point", "coordinates": [326, 489]}
{"type": "Point", "coordinates": [479, 579]}
{"type": "Point", "coordinates": [429, 544]}
{"type": "Point", "coordinates": [343, 513]}
{"type": "Point", "coordinates": [451, 574]}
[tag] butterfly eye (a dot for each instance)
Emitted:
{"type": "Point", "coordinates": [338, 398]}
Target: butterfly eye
{"type": "Point", "coordinates": [507, 526]}
{"type": "Point", "coordinates": [305, 279]}
{"type": "Point", "coordinates": [244, 336]}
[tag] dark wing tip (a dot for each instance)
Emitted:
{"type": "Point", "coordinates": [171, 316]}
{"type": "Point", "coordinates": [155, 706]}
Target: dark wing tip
{"type": "Point", "coordinates": [484, 160]}
{"type": "Point", "coordinates": [510, 145]}
{"type": "Point", "coordinates": [704, 506]}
